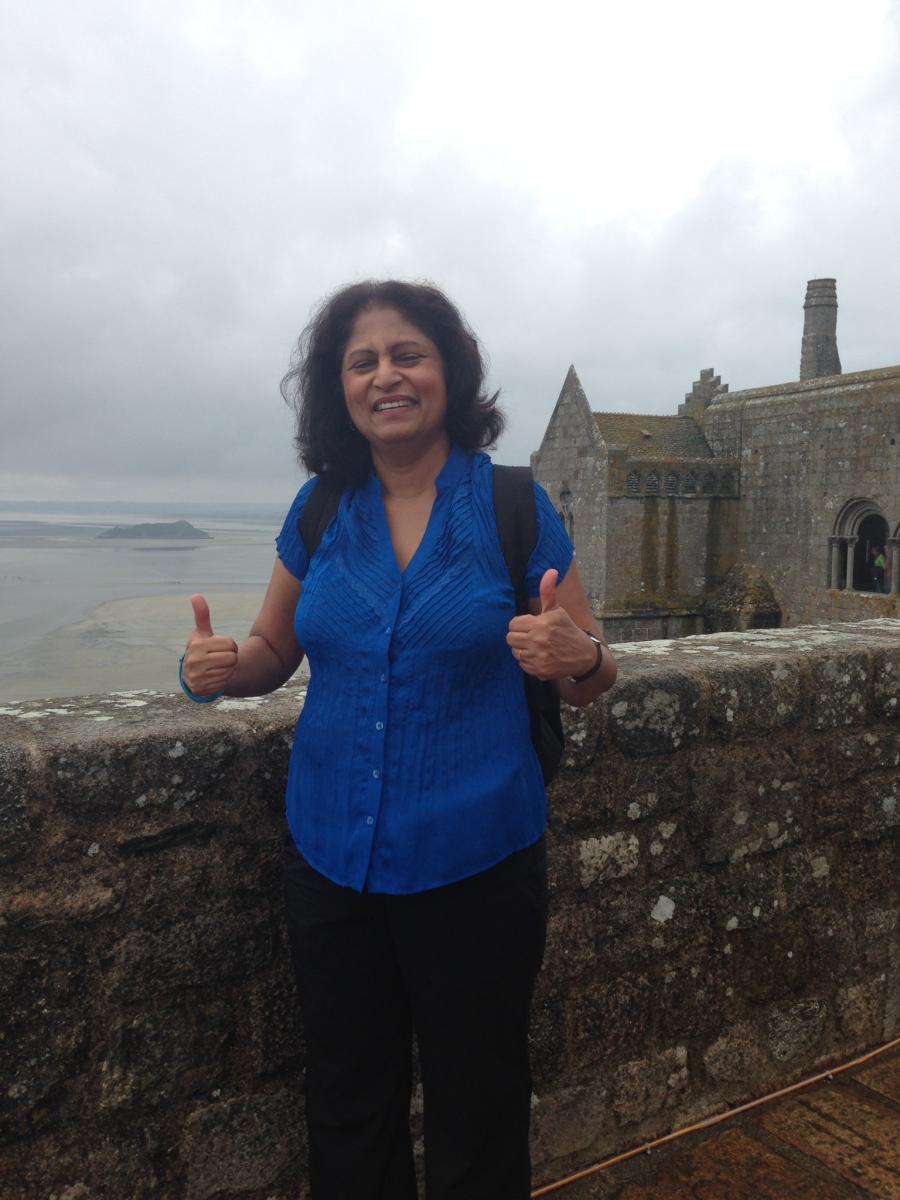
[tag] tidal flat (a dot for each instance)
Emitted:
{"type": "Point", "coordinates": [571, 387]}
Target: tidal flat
{"type": "Point", "coordinates": [83, 615]}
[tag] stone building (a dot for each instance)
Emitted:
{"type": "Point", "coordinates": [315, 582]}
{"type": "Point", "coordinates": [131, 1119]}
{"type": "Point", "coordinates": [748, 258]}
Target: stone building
{"type": "Point", "coordinates": [745, 509]}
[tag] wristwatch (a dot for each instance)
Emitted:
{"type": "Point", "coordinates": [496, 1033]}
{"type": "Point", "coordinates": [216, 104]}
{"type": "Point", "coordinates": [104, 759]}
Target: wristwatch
{"type": "Point", "coordinates": [596, 667]}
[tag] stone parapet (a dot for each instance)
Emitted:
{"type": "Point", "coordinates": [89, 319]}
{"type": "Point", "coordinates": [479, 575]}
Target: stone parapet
{"type": "Point", "coordinates": [725, 914]}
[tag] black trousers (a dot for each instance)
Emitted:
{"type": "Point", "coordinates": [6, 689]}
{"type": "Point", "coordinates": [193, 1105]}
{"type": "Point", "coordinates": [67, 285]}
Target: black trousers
{"type": "Point", "coordinates": [456, 965]}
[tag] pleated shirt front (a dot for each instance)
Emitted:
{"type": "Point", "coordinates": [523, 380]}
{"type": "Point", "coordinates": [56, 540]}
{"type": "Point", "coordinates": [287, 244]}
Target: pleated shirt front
{"type": "Point", "coordinates": [412, 765]}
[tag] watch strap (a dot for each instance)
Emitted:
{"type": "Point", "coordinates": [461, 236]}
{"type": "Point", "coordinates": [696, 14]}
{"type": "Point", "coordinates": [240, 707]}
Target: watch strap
{"type": "Point", "coordinates": [596, 667]}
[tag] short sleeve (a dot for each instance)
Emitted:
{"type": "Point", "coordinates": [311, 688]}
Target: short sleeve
{"type": "Point", "coordinates": [553, 549]}
{"type": "Point", "coordinates": [291, 549]}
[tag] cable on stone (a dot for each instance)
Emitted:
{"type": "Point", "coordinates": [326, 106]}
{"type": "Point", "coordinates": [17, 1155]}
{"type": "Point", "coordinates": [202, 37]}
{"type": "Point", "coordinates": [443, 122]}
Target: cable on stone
{"type": "Point", "coordinates": [647, 1147]}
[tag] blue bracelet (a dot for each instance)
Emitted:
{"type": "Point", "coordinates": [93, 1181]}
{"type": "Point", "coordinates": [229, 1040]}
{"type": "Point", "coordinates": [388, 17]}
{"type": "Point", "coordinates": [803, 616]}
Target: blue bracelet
{"type": "Point", "coordinates": [187, 691]}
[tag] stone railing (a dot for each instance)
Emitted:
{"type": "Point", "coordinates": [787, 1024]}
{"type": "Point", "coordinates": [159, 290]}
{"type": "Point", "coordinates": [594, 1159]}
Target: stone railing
{"type": "Point", "coordinates": [724, 862]}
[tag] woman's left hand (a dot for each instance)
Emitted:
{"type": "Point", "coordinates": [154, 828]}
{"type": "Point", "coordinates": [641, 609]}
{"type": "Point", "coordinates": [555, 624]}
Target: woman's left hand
{"type": "Point", "coordinates": [550, 645]}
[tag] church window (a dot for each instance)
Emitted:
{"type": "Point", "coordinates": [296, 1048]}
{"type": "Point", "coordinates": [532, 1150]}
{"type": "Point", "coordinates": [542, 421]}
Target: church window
{"type": "Point", "coordinates": [709, 482]}
{"type": "Point", "coordinates": [672, 482]}
{"type": "Point", "coordinates": [634, 482]}
{"type": "Point", "coordinates": [727, 482]}
{"type": "Point", "coordinates": [860, 550]}
{"type": "Point", "coordinates": [653, 484]}
{"type": "Point", "coordinates": [690, 483]}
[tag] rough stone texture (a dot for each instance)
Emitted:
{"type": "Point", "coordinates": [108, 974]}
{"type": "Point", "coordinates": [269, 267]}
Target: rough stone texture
{"type": "Point", "coordinates": [735, 1057]}
{"type": "Point", "coordinates": [15, 830]}
{"type": "Point", "coordinates": [744, 600]}
{"type": "Point", "coordinates": [642, 1087]}
{"type": "Point", "coordinates": [725, 918]}
{"type": "Point", "coordinates": [244, 1144]}
{"type": "Point", "coordinates": [143, 973]}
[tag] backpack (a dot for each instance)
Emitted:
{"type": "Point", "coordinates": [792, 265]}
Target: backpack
{"type": "Point", "coordinates": [516, 515]}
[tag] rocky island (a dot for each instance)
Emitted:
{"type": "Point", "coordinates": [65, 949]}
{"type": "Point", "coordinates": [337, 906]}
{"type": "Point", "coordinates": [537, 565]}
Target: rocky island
{"type": "Point", "coordinates": [168, 530]}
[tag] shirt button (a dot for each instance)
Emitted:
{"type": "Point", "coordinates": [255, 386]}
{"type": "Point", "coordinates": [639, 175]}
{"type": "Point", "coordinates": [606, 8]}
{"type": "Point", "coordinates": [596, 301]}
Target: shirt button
{"type": "Point", "coordinates": [383, 677]}
{"type": "Point", "coordinates": [370, 820]}
{"type": "Point", "coordinates": [376, 773]}
{"type": "Point", "coordinates": [387, 629]}
{"type": "Point", "coordinates": [379, 725]}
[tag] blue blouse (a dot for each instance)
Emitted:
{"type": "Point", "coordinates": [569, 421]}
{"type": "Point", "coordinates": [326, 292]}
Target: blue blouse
{"type": "Point", "coordinates": [412, 764]}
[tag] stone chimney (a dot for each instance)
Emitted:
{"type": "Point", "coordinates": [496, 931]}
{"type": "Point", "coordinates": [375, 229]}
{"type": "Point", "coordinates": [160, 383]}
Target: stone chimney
{"type": "Point", "coordinates": [819, 352]}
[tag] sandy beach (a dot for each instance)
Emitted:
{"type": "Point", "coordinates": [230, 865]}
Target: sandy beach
{"type": "Point", "coordinates": [124, 645]}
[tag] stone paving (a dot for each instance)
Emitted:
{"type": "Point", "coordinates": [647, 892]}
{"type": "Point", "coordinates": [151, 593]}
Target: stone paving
{"type": "Point", "coordinates": [834, 1141]}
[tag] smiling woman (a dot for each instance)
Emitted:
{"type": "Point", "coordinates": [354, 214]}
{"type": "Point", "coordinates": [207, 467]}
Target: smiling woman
{"type": "Point", "coordinates": [393, 378]}
{"type": "Point", "coordinates": [415, 874]}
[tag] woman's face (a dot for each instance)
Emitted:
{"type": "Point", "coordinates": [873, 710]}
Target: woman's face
{"type": "Point", "coordinates": [393, 379]}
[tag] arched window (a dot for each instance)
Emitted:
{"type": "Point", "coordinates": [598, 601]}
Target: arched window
{"type": "Point", "coordinates": [869, 555]}
{"type": "Point", "coordinates": [633, 485]}
{"type": "Point", "coordinates": [652, 484]}
{"type": "Point", "coordinates": [690, 484]}
{"type": "Point", "coordinates": [727, 484]}
{"type": "Point", "coordinates": [859, 554]}
{"type": "Point", "coordinates": [672, 482]}
{"type": "Point", "coordinates": [709, 483]}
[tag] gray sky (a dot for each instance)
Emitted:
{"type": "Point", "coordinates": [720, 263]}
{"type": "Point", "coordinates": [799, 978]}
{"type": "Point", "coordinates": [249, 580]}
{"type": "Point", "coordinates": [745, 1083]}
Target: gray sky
{"type": "Point", "coordinates": [640, 189]}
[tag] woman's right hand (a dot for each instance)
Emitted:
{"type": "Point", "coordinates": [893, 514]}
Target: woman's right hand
{"type": "Point", "coordinates": [209, 661]}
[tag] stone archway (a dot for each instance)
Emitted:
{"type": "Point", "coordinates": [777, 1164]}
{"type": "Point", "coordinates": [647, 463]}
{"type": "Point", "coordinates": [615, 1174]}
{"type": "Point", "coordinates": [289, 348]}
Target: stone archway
{"type": "Point", "coordinates": [859, 525]}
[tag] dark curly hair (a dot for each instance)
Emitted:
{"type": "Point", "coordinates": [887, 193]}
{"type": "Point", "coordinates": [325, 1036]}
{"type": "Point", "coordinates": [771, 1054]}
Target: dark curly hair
{"type": "Point", "coordinates": [325, 440]}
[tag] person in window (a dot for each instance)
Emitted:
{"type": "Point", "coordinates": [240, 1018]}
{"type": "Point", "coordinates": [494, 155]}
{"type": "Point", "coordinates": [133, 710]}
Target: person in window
{"type": "Point", "coordinates": [415, 865]}
{"type": "Point", "coordinates": [877, 558]}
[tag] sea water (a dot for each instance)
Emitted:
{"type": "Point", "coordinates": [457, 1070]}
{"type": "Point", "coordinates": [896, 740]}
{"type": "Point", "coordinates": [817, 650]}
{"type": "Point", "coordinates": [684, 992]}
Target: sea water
{"type": "Point", "coordinates": [55, 572]}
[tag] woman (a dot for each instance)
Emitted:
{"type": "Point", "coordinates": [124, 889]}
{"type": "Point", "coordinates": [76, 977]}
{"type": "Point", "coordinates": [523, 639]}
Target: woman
{"type": "Point", "coordinates": [415, 870]}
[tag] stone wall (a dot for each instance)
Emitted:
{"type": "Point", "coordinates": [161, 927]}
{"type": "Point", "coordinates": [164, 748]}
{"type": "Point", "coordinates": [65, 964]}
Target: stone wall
{"type": "Point", "coordinates": [724, 872]}
{"type": "Point", "coordinates": [806, 450]}
{"type": "Point", "coordinates": [650, 624]}
{"type": "Point", "coordinates": [666, 551]}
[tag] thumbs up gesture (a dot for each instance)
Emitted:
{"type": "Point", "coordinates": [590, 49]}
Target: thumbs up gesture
{"type": "Point", "coordinates": [209, 661]}
{"type": "Point", "coordinates": [548, 592]}
{"type": "Point", "coordinates": [550, 645]}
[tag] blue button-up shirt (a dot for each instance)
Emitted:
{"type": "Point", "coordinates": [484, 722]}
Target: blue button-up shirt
{"type": "Point", "coordinates": [412, 764]}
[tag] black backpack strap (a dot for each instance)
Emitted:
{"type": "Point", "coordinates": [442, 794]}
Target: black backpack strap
{"type": "Point", "coordinates": [516, 514]}
{"type": "Point", "coordinates": [318, 512]}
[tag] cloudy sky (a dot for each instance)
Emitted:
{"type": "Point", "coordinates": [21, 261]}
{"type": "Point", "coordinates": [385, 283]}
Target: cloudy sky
{"type": "Point", "coordinates": [641, 189]}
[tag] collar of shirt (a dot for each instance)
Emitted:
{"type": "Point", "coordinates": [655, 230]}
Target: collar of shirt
{"type": "Point", "coordinates": [450, 474]}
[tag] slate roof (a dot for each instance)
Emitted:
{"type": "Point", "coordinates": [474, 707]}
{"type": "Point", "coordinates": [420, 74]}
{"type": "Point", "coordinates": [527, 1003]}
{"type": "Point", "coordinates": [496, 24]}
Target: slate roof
{"type": "Point", "coordinates": [653, 437]}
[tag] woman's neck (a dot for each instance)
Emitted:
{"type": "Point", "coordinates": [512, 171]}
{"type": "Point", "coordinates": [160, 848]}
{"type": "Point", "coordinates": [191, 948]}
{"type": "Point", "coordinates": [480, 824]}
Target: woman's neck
{"type": "Point", "coordinates": [405, 473]}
